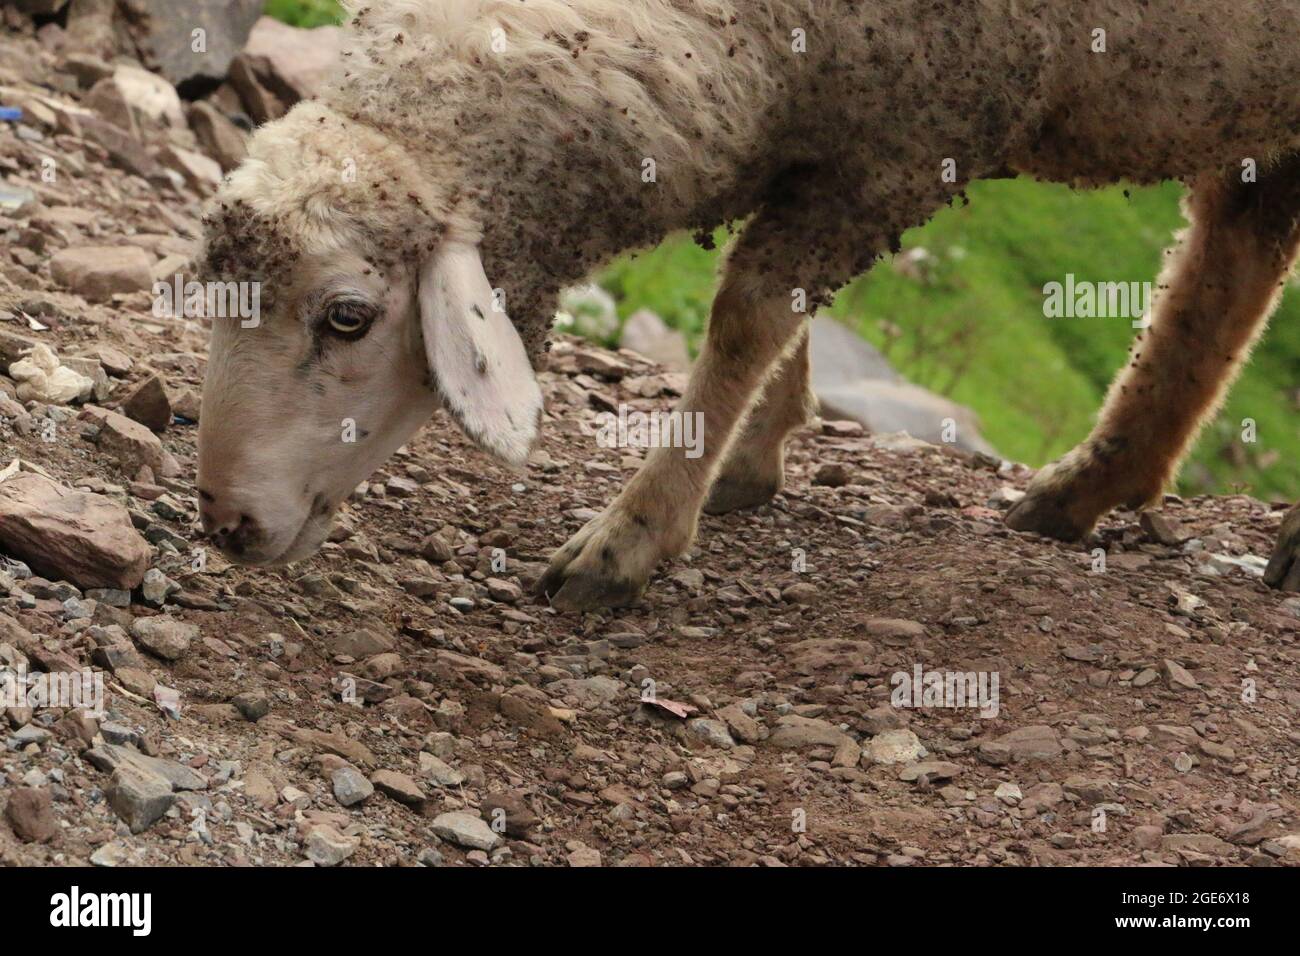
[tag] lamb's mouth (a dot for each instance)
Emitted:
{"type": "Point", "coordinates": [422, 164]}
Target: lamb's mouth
{"type": "Point", "coordinates": [310, 535]}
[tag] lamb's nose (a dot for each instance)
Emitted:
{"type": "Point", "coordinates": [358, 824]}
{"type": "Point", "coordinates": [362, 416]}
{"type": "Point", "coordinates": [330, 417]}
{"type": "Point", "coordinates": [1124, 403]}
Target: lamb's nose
{"type": "Point", "coordinates": [230, 529]}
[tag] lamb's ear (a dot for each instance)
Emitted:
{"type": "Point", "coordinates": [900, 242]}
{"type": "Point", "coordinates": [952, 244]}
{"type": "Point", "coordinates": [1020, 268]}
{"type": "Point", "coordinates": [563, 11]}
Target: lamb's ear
{"type": "Point", "coordinates": [477, 361]}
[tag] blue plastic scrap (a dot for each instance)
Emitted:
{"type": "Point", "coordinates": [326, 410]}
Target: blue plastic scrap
{"type": "Point", "coordinates": [11, 113]}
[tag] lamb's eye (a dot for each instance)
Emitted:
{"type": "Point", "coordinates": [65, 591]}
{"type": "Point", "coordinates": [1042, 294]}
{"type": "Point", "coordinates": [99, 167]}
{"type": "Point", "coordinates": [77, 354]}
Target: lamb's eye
{"type": "Point", "coordinates": [348, 321]}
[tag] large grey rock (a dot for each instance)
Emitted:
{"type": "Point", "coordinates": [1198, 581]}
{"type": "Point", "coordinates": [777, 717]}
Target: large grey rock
{"type": "Point", "coordinates": [840, 356]}
{"type": "Point", "coordinates": [886, 407]}
{"type": "Point", "coordinates": [164, 33]}
{"type": "Point", "coordinates": [110, 757]}
{"type": "Point", "coordinates": [68, 535]}
{"type": "Point", "coordinates": [350, 786]}
{"type": "Point", "coordinates": [646, 333]}
{"type": "Point", "coordinates": [854, 381]}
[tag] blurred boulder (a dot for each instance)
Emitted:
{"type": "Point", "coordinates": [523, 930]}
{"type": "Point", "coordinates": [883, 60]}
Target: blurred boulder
{"type": "Point", "coordinates": [840, 356]}
{"type": "Point", "coordinates": [646, 333]}
{"type": "Point", "coordinates": [219, 137]}
{"type": "Point", "coordinates": [854, 381]}
{"type": "Point", "coordinates": [98, 272]}
{"type": "Point", "coordinates": [191, 42]}
{"type": "Point", "coordinates": [291, 62]}
{"type": "Point", "coordinates": [40, 8]}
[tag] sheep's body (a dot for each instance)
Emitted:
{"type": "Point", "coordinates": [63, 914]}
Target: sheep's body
{"type": "Point", "coordinates": [549, 109]}
{"type": "Point", "coordinates": [473, 144]}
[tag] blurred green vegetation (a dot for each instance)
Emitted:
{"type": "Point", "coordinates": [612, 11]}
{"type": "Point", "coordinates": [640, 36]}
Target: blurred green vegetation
{"type": "Point", "coordinates": [966, 318]}
{"type": "Point", "coordinates": [305, 13]}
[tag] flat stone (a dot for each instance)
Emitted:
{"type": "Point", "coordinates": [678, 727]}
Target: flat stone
{"type": "Point", "coordinates": [712, 732]}
{"type": "Point", "coordinates": [68, 535]}
{"type": "Point", "coordinates": [98, 272]}
{"type": "Point", "coordinates": [793, 732]}
{"type": "Point", "coordinates": [1178, 677]}
{"type": "Point", "coordinates": [1036, 742]}
{"type": "Point", "coordinates": [932, 770]}
{"type": "Point", "coordinates": [398, 786]}
{"type": "Point", "coordinates": [466, 830]}
{"type": "Point", "coordinates": [439, 773]}
{"type": "Point", "coordinates": [109, 757]}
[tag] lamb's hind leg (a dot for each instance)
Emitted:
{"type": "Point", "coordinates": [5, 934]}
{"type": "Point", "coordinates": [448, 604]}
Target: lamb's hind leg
{"type": "Point", "coordinates": [1216, 294]}
{"type": "Point", "coordinates": [609, 561]}
{"type": "Point", "coordinates": [754, 469]}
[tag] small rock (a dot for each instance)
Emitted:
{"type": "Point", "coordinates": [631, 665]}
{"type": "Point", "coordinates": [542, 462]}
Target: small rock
{"type": "Point", "coordinates": [466, 830]}
{"type": "Point", "coordinates": [325, 846]}
{"type": "Point", "coordinates": [584, 856]}
{"type": "Point", "coordinates": [163, 636]}
{"type": "Point", "coordinates": [438, 772]}
{"type": "Point", "coordinates": [31, 814]}
{"type": "Point", "coordinates": [148, 404]}
{"type": "Point", "coordinates": [1178, 677]}
{"type": "Point", "coordinates": [350, 786]}
{"type": "Point", "coordinates": [138, 797]}
{"type": "Point", "coordinates": [398, 786]}
{"type": "Point", "coordinates": [895, 746]}
{"type": "Point", "coordinates": [252, 705]}
{"type": "Point", "coordinates": [1162, 529]}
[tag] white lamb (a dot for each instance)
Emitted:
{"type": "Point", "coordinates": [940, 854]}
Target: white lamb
{"type": "Point", "coordinates": [474, 156]}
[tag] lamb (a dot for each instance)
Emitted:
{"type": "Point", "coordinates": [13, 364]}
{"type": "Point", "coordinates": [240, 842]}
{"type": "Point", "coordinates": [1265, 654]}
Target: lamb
{"type": "Point", "coordinates": [412, 228]}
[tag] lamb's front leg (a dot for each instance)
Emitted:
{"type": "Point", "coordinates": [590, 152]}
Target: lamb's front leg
{"type": "Point", "coordinates": [609, 562]}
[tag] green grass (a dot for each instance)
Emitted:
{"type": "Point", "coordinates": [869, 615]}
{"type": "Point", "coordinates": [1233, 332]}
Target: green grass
{"type": "Point", "coordinates": [305, 13]}
{"type": "Point", "coordinates": [973, 328]}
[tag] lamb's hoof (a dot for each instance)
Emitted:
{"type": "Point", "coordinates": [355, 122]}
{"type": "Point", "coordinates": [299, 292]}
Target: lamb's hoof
{"type": "Point", "coordinates": [1046, 513]}
{"type": "Point", "coordinates": [606, 564]}
{"type": "Point", "coordinates": [733, 494]}
{"type": "Point", "coordinates": [1283, 571]}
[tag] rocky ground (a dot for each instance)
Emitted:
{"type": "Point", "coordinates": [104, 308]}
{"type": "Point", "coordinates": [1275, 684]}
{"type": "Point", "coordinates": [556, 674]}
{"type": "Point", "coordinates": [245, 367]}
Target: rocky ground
{"type": "Point", "coordinates": [402, 698]}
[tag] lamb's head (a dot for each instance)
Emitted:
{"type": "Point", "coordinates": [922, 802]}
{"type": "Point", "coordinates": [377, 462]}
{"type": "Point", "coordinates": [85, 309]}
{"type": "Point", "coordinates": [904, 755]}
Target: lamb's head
{"type": "Point", "coordinates": [374, 310]}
